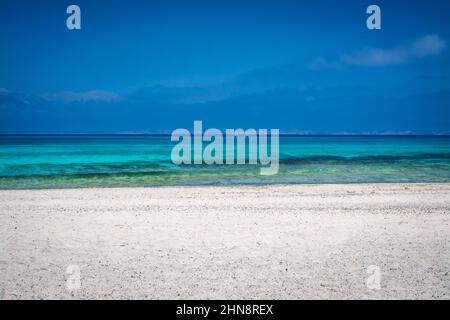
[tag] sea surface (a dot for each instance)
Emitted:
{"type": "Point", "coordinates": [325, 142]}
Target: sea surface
{"type": "Point", "coordinates": [144, 161]}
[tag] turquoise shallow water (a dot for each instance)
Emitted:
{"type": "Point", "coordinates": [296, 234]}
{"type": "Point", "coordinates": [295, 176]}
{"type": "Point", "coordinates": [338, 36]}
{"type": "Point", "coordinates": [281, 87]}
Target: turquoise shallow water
{"type": "Point", "coordinates": [130, 161]}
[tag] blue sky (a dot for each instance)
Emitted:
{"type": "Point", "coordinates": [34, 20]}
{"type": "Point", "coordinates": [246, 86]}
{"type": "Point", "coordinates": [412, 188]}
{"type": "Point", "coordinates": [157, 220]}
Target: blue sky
{"type": "Point", "coordinates": [153, 66]}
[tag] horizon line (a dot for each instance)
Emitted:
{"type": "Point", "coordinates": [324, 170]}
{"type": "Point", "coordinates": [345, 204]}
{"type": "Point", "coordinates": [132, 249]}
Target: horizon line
{"type": "Point", "coordinates": [281, 134]}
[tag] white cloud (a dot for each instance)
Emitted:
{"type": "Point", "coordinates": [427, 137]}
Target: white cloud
{"type": "Point", "coordinates": [425, 46]}
{"type": "Point", "coordinates": [93, 95]}
{"type": "Point", "coordinates": [376, 57]}
{"type": "Point", "coordinates": [428, 45]}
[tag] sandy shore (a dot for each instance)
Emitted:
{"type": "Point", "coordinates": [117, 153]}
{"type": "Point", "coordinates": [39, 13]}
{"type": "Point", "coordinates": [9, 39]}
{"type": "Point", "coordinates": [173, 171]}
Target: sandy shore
{"type": "Point", "coordinates": [272, 242]}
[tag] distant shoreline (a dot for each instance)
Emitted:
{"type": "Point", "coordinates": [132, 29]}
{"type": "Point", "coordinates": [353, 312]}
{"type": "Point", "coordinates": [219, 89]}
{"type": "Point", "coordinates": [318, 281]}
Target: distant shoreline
{"type": "Point", "coordinates": [168, 135]}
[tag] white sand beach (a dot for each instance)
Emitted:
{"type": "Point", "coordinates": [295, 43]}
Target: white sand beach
{"type": "Point", "coordinates": [250, 242]}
